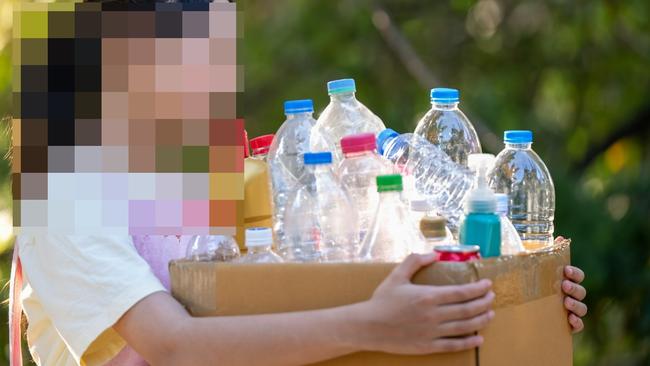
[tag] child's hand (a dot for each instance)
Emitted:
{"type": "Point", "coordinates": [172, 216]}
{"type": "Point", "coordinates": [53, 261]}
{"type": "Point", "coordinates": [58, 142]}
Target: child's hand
{"type": "Point", "coordinates": [575, 294]}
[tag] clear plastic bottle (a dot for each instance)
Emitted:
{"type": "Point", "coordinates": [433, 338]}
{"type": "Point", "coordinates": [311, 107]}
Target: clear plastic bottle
{"type": "Point", "coordinates": [521, 174]}
{"type": "Point", "coordinates": [510, 241]}
{"type": "Point", "coordinates": [358, 173]}
{"type": "Point", "coordinates": [481, 225]}
{"type": "Point", "coordinates": [435, 232]}
{"type": "Point", "coordinates": [343, 116]}
{"type": "Point", "coordinates": [217, 248]}
{"type": "Point", "coordinates": [285, 159]}
{"type": "Point", "coordinates": [437, 177]}
{"type": "Point", "coordinates": [447, 127]}
{"type": "Point", "coordinates": [259, 242]}
{"type": "Point", "coordinates": [391, 237]}
{"type": "Point", "coordinates": [321, 222]}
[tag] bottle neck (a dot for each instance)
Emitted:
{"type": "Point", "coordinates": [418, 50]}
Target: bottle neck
{"type": "Point", "coordinates": [357, 154]}
{"type": "Point", "coordinates": [343, 97]}
{"type": "Point", "coordinates": [298, 116]}
{"type": "Point", "coordinates": [257, 249]}
{"type": "Point", "coordinates": [444, 106]}
{"type": "Point", "coordinates": [519, 146]}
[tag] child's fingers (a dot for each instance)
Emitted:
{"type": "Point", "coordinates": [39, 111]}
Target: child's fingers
{"type": "Point", "coordinates": [574, 290]}
{"type": "Point", "coordinates": [577, 324]}
{"type": "Point", "coordinates": [575, 274]}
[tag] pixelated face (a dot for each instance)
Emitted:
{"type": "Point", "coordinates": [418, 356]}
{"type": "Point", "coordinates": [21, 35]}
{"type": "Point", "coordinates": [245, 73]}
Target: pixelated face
{"type": "Point", "coordinates": [126, 118]}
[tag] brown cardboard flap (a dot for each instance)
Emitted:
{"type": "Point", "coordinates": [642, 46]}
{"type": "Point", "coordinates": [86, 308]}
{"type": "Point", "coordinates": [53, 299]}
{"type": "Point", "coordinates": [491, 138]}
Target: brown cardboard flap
{"type": "Point", "coordinates": [522, 278]}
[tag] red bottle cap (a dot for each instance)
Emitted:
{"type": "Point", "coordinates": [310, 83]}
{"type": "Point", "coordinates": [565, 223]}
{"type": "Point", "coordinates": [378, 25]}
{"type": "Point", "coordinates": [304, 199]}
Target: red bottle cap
{"type": "Point", "coordinates": [358, 143]}
{"type": "Point", "coordinates": [261, 144]}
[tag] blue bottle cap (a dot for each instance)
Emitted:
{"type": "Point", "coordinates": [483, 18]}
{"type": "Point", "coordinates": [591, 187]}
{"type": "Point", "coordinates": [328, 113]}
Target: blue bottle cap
{"type": "Point", "coordinates": [341, 86]}
{"type": "Point", "coordinates": [317, 158]}
{"type": "Point", "coordinates": [445, 95]}
{"type": "Point", "coordinates": [518, 137]}
{"type": "Point", "coordinates": [383, 137]}
{"type": "Point", "coordinates": [298, 106]}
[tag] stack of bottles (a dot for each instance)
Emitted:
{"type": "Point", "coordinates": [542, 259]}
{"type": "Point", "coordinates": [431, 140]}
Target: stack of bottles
{"type": "Point", "coordinates": [344, 188]}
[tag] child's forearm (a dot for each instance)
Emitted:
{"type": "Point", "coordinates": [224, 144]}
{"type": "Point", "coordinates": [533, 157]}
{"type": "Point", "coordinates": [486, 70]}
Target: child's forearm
{"type": "Point", "coordinates": [164, 334]}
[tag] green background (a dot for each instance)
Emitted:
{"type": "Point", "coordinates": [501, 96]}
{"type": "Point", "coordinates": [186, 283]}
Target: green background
{"type": "Point", "coordinates": [577, 73]}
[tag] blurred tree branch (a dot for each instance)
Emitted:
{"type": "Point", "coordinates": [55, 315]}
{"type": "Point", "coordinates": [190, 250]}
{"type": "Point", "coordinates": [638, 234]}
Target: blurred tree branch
{"type": "Point", "coordinates": [639, 124]}
{"type": "Point", "coordinates": [416, 67]}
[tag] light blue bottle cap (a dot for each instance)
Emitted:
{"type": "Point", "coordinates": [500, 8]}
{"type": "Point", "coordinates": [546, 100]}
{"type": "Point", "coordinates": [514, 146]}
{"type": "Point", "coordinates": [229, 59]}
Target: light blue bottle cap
{"type": "Point", "coordinates": [518, 137]}
{"type": "Point", "coordinates": [298, 106]}
{"type": "Point", "coordinates": [445, 95]}
{"type": "Point", "coordinates": [318, 158]}
{"type": "Point", "coordinates": [341, 86]}
{"type": "Point", "coordinates": [383, 137]}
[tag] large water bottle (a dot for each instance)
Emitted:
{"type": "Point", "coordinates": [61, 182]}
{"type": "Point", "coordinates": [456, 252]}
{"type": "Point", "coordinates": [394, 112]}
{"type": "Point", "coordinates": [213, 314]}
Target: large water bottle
{"type": "Point", "coordinates": [343, 116]}
{"type": "Point", "coordinates": [510, 241]}
{"type": "Point", "coordinates": [447, 127]}
{"type": "Point", "coordinates": [521, 174]}
{"type": "Point", "coordinates": [391, 236]}
{"type": "Point", "coordinates": [437, 178]}
{"type": "Point", "coordinates": [321, 222]}
{"type": "Point", "coordinates": [285, 158]}
{"type": "Point", "coordinates": [358, 172]}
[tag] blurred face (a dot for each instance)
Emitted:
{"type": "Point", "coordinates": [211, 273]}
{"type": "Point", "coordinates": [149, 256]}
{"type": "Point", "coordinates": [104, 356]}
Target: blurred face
{"type": "Point", "coordinates": [141, 127]}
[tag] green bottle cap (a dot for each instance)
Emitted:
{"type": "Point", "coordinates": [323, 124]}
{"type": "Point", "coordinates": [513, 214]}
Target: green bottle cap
{"type": "Point", "coordinates": [391, 182]}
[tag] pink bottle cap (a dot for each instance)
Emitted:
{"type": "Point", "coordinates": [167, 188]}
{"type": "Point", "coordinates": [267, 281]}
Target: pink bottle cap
{"type": "Point", "coordinates": [358, 143]}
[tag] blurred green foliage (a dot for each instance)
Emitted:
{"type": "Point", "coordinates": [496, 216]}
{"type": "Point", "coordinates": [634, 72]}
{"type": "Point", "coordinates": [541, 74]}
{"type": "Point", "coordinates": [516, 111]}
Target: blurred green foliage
{"type": "Point", "coordinates": [576, 73]}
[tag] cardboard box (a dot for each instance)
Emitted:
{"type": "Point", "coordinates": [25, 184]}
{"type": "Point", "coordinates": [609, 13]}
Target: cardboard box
{"type": "Point", "coordinates": [530, 326]}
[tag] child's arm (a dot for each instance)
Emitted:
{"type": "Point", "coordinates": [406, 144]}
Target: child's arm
{"type": "Point", "coordinates": [399, 318]}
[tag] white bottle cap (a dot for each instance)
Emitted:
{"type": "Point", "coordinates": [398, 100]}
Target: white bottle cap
{"type": "Point", "coordinates": [259, 236]}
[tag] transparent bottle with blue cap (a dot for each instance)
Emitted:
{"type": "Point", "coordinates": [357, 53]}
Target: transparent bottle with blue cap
{"type": "Point", "coordinates": [321, 221]}
{"type": "Point", "coordinates": [447, 127]}
{"type": "Point", "coordinates": [521, 174]}
{"type": "Point", "coordinates": [343, 116]}
{"type": "Point", "coordinates": [481, 225]}
{"type": "Point", "coordinates": [285, 159]}
{"type": "Point", "coordinates": [437, 178]}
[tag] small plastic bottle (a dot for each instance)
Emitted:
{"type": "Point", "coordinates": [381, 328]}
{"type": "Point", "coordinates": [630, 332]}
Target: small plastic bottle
{"type": "Point", "coordinates": [481, 225]}
{"type": "Point", "coordinates": [212, 248]}
{"type": "Point", "coordinates": [392, 236]}
{"type": "Point", "coordinates": [510, 241]}
{"type": "Point", "coordinates": [259, 242]}
{"type": "Point", "coordinates": [435, 232]}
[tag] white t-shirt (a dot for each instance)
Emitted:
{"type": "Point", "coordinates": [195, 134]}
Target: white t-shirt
{"type": "Point", "coordinates": [75, 289]}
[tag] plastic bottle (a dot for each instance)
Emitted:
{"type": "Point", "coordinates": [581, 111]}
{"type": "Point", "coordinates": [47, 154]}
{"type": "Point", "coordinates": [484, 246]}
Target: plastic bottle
{"type": "Point", "coordinates": [259, 242]}
{"type": "Point", "coordinates": [286, 158]}
{"type": "Point", "coordinates": [481, 225]}
{"type": "Point", "coordinates": [343, 116]}
{"type": "Point", "coordinates": [391, 237]}
{"type": "Point", "coordinates": [217, 248]}
{"type": "Point", "coordinates": [437, 177]}
{"type": "Point", "coordinates": [358, 172]}
{"type": "Point", "coordinates": [521, 174]}
{"type": "Point", "coordinates": [257, 195]}
{"type": "Point", "coordinates": [435, 232]}
{"type": "Point", "coordinates": [321, 222]}
{"type": "Point", "coordinates": [447, 127]}
{"type": "Point", "coordinates": [510, 241]}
